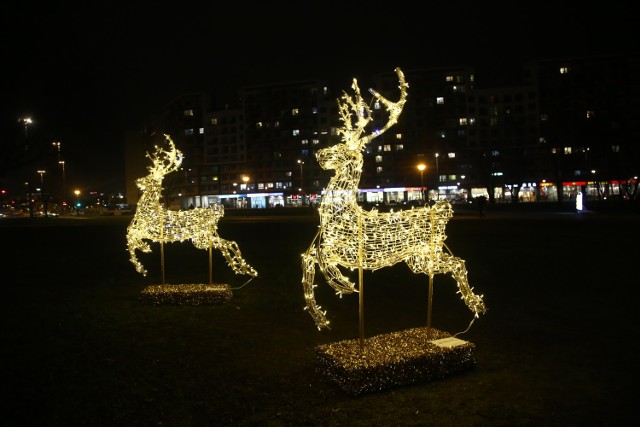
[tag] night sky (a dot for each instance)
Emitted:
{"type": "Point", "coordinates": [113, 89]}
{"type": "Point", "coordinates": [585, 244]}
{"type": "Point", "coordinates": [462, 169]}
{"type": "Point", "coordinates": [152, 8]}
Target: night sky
{"type": "Point", "coordinates": [88, 72]}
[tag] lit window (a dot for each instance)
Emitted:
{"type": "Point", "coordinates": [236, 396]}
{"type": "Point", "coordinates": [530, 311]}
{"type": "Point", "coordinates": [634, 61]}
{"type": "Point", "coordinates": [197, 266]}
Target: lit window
{"type": "Point", "coordinates": [554, 151]}
{"type": "Point", "coordinates": [295, 112]}
{"type": "Point", "coordinates": [314, 110]}
{"type": "Point", "coordinates": [376, 105]}
{"type": "Point", "coordinates": [472, 121]}
{"type": "Point", "coordinates": [386, 147]}
{"type": "Point", "coordinates": [443, 134]}
{"type": "Point", "coordinates": [201, 131]}
{"type": "Point", "coordinates": [449, 78]}
{"type": "Point", "coordinates": [399, 147]}
{"type": "Point", "coordinates": [296, 132]}
{"type": "Point", "coordinates": [258, 125]}
{"type": "Point", "coordinates": [305, 141]}
{"type": "Point", "coordinates": [567, 150]}
{"type": "Point", "coordinates": [188, 131]}
{"type": "Point", "coordinates": [564, 70]}
{"type": "Point", "coordinates": [542, 140]}
{"type": "Point", "coordinates": [188, 113]}
{"type": "Point", "coordinates": [463, 121]}
{"type": "Point", "coordinates": [214, 121]}
{"type": "Point", "coordinates": [398, 136]}
{"type": "Point", "coordinates": [590, 114]}
{"type": "Point", "coordinates": [315, 141]}
{"type": "Point", "coordinates": [379, 169]}
{"type": "Point", "coordinates": [440, 100]}
{"type": "Point", "coordinates": [451, 155]}
{"type": "Point", "coordinates": [378, 159]}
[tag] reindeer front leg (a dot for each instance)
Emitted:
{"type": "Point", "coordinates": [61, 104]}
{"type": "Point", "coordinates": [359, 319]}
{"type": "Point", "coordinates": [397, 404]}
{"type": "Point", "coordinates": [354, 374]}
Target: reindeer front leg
{"type": "Point", "coordinates": [309, 259]}
{"type": "Point", "coordinates": [336, 279]}
{"type": "Point", "coordinates": [134, 244]}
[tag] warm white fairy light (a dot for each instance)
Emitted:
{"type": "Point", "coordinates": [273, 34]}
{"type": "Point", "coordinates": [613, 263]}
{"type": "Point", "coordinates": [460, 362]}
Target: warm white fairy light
{"type": "Point", "coordinates": [351, 237]}
{"type": "Point", "coordinates": [153, 222]}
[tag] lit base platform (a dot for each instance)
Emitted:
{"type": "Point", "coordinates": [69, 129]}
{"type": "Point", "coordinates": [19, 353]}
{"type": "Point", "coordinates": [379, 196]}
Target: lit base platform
{"type": "Point", "coordinates": [400, 358]}
{"type": "Point", "coordinates": [197, 294]}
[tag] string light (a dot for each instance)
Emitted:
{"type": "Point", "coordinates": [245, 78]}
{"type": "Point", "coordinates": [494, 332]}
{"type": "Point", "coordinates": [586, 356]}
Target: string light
{"type": "Point", "coordinates": [153, 222]}
{"type": "Point", "coordinates": [351, 237]}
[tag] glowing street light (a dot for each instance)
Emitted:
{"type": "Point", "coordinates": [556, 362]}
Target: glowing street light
{"type": "Point", "coordinates": [77, 193]}
{"type": "Point", "coordinates": [300, 162]}
{"type": "Point", "coordinates": [437, 178]}
{"type": "Point", "coordinates": [58, 146]}
{"type": "Point", "coordinates": [64, 181]}
{"type": "Point", "coordinates": [26, 121]}
{"type": "Point", "coordinates": [421, 168]}
{"type": "Point", "coordinates": [42, 172]}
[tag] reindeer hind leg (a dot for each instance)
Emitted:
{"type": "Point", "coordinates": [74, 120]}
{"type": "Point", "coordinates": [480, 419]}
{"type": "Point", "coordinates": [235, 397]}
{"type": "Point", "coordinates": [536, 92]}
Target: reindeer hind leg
{"type": "Point", "coordinates": [232, 254]}
{"type": "Point", "coordinates": [458, 271]}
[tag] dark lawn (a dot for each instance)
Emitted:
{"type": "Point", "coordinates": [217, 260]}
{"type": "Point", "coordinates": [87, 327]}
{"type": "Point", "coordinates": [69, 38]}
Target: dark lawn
{"type": "Point", "coordinates": [558, 346]}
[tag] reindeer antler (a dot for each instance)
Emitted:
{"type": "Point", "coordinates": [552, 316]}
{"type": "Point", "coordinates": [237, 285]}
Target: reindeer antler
{"type": "Point", "coordinates": [356, 114]}
{"type": "Point", "coordinates": [165, 161]}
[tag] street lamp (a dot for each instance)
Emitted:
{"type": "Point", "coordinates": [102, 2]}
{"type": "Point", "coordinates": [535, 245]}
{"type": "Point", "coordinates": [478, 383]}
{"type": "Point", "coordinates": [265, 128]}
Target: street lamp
{"type": "Point", "coordinates": [42, 172]}
{"type": "Point", "coordinates": [26, 121]}
{"type": "Point", "coordinates": [77, 193]}
{"type": "Point", "coordinates": [245, 187]}
{"type": "Point", "coordinates": [58, 145]}
{"type": "Point", "coordinates": [64, 181]}
{"type": "Point", "coordinates": [437, 178]}
{"type": "Point", "coordinates": [300, 162]}
{"type": "Point", "coordinates": [421, 168]}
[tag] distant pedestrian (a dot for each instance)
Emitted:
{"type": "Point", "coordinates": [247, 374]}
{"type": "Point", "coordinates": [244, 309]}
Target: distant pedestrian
{"type": "Point", "coordinates": [482, 205]}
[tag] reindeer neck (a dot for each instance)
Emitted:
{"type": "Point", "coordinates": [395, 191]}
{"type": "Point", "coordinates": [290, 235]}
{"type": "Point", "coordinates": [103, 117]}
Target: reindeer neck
{"type": "Point", "coordinates": [342, 188]}
{"type": "Point", "coordinates": [151, 195]}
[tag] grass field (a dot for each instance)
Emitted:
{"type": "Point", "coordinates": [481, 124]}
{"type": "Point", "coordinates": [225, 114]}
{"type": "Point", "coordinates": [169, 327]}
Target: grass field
{"type": "Point", "coordinates": [558, 346]}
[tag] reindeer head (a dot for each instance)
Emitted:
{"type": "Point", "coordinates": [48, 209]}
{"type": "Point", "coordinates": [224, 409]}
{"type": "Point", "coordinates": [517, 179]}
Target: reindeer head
{"type": "Point", "coordinates": [356, 115]}
{"type": "Point", "coordinates": [163, 162]}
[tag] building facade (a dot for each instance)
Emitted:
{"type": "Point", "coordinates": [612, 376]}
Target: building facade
{"type": "Point", "coordinates": [568, 127]}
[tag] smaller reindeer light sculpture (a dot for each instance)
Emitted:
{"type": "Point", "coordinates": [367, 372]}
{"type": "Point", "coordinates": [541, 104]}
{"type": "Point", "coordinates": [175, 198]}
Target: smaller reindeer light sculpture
{"type": "Point", "coordinates": [153, 222]}
{"type": "Point", "coordinates": [351, 237]}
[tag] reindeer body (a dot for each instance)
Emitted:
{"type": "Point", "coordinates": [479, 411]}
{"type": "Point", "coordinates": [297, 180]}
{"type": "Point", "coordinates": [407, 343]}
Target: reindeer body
{"type": "Point", "coordinates": [351, 237]}
{"type": "Point", "coordinates": [153, 222]}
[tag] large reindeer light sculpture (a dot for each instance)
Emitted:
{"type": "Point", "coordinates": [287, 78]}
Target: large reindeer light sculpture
{"type": "Point", "coordinates": [155, 223]}
{"type": "Point", "coordinates": [351, 237]}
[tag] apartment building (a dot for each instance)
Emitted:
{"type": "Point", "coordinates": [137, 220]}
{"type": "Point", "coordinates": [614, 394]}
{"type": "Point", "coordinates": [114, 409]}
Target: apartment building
{"type": "Point", "coordinates": [569, 126]}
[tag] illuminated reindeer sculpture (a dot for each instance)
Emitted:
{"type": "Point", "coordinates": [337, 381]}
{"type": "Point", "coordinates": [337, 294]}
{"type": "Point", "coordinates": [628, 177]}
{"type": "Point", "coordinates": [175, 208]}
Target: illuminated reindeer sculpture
{"type": "Point", "coordinates": [351, 237]}
{"type": "Point", "coordinates": [154, 222]}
